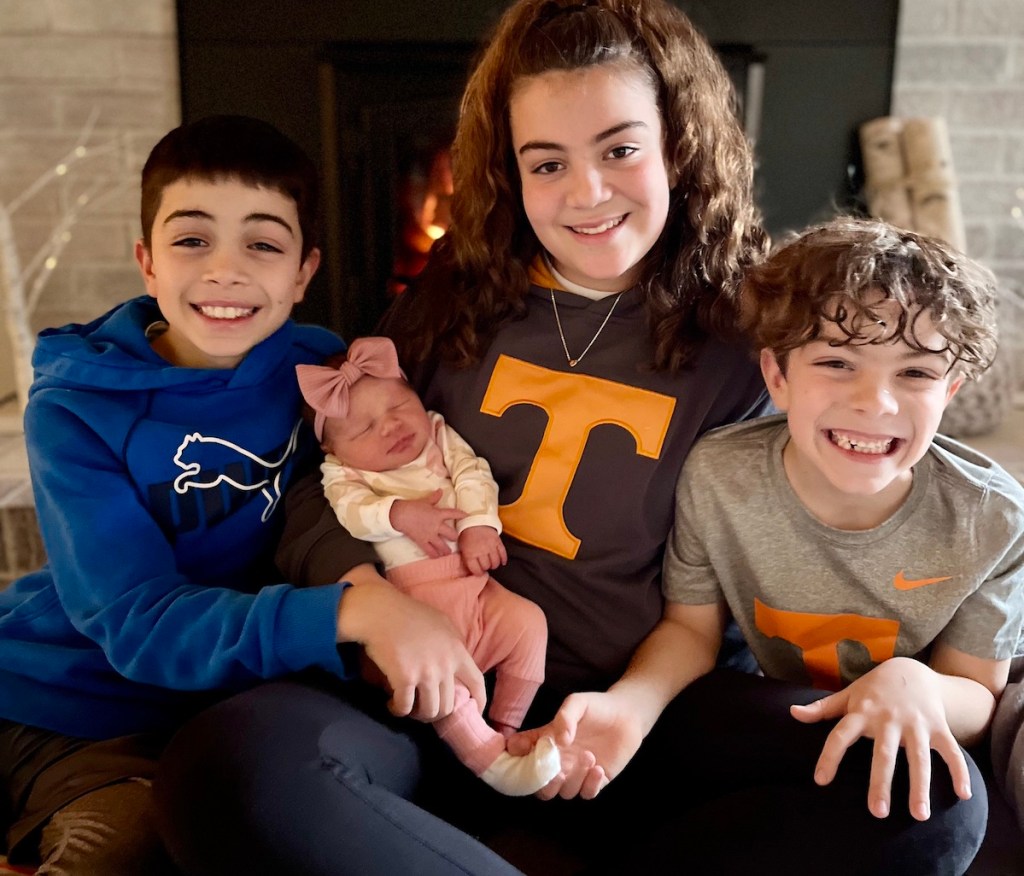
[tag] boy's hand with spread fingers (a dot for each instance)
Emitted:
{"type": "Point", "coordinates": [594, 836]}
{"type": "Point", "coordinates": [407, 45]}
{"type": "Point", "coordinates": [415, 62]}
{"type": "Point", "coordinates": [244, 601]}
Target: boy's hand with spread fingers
{"type": "Point", "coordinates": [899, 704]}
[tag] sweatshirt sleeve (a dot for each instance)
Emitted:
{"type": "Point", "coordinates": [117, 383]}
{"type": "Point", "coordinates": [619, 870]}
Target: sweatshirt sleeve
{"type": "Point", "coordinates": [314, 548]}
{"type": "Point", "coordinates": [119, 584]}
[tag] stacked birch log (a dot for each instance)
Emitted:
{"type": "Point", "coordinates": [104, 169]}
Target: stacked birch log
{"type": "Point", "coordinates": [909, 178]}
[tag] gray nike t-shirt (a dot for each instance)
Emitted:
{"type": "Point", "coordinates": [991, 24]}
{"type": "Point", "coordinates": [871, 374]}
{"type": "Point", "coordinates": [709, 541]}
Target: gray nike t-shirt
{"type": "Point", "coordinates": [824, 606]}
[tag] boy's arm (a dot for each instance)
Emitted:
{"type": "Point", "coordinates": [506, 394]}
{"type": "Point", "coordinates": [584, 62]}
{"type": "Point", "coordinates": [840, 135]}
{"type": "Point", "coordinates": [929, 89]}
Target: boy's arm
{"type": "Point", "coordinates": [415, 646]}
{"type": "Point", "coordinates": [119, 584]}
{"type": "Point", "coordinates": [905, 703]}
{"type": "Point", "coordinates": [971, 687]}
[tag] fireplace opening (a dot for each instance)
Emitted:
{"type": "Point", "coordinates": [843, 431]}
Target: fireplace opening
{"type": "Point", "coordinates": [423, 211]}
{"type": "Point", "coordinates": [388, 113]}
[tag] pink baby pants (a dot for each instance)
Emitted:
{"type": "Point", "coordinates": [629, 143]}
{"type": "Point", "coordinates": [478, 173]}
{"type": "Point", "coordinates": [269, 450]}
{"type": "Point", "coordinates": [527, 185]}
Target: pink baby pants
{"type": "Point", "coordinates": [502, 631]}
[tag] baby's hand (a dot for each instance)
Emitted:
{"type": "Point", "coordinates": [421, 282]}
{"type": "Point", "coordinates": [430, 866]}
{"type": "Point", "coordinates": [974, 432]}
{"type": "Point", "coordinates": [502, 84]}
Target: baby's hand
{"type": "Point", "coordinates": [481, 549]}
{"type": "Point", "coordinates": [898, 705]}
{"type": "Point", "coordinates": [426, 524]}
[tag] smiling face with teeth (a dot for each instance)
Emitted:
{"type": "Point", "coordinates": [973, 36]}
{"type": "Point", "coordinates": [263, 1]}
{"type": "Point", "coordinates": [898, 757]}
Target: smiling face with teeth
{"type": "Point", "coordinates": [225, 265]}
{"type": "Point", "coordinates": [588, 144]}
{"type": "Point", "coordinates": [860, 415]}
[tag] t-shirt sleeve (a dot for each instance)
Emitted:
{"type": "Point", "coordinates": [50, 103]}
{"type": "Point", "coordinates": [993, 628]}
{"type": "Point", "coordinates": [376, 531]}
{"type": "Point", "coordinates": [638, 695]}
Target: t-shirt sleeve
{"type": "Point", "coordinates": [988, 623]}
{"type": "Point", "coordinates": [688, 576]}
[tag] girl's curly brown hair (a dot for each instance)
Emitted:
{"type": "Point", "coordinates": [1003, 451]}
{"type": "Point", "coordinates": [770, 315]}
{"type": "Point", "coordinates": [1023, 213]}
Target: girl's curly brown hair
{"type": "Point", "coordinates": [835, 273]}
{"type": "Point", "coordinates": [476, 279]}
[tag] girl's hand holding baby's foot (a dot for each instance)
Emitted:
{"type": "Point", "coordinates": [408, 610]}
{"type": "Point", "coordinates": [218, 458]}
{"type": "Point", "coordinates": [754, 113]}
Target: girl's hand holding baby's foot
{"type": "Point", "coordinates": [597, 735]}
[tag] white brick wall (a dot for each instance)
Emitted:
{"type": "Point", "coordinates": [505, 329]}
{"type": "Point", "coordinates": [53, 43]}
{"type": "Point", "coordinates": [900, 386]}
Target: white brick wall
{"type": "Point", "coordinates": [964, 59]}
{"type": "Point", "coordinates": [59, 61]}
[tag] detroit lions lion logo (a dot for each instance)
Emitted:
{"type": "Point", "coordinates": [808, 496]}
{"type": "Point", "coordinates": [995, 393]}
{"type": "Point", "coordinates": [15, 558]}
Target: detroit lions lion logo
{"type": "Point", "coordinates": [204, 461]}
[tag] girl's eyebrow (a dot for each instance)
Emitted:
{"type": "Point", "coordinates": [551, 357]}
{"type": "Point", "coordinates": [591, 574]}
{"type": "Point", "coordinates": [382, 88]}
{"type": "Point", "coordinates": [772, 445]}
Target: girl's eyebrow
{"type": "Point", "coordinates": [604, 135]}
{"type": "Point", "coordinates": [252, 217]}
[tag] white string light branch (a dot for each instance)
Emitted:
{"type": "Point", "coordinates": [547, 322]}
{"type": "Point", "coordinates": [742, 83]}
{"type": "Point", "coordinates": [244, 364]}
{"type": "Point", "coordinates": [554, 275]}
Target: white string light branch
{"type": "Point", "coordinates": [22, 286]}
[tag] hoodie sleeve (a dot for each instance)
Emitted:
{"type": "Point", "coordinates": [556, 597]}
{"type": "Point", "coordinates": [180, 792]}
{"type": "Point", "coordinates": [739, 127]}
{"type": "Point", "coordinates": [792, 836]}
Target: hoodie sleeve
{"type": "Point", "coordinates": [314, 547]}
{"type": "Point", "coordinates": [119, 585]}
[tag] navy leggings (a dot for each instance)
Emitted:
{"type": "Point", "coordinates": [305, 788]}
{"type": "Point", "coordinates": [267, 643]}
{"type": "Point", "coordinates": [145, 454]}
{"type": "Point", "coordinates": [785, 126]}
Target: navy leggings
{"type": "Point", "coordinates": [304, 778]}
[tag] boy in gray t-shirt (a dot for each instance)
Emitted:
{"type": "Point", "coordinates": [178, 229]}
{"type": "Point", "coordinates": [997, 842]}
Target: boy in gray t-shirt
{"type": "Point", "coordinates": [858, 554]}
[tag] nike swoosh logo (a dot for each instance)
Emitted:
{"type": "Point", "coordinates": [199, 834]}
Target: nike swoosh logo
{"type": "Point", "coordinates": [902, 583]}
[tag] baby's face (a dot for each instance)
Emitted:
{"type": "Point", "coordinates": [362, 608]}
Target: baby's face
{"type": "Point", "coordinates": [386, 426]}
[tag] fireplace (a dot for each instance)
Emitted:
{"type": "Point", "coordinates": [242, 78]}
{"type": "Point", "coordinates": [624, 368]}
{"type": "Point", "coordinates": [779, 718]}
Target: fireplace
{"type": "Point", "coordinates": [388, 115]}
{"type": "Point", "coordinates": [371, 90]}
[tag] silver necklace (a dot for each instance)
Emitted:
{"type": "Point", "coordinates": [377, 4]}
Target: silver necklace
{"type": "Point", "coordinates": [568, 358]}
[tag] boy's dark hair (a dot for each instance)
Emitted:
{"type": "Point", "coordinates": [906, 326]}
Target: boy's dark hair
{"type": "Point", "coordinates": [834, 272]}
{"type": "Point", "coordinates": [232, 147]}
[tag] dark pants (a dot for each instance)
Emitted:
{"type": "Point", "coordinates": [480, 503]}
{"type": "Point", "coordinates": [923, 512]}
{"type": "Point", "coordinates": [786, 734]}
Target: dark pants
{"type": "Point", "coordinates": [292, 778]}
{"type": "Point", "coordinates": [79, 806]}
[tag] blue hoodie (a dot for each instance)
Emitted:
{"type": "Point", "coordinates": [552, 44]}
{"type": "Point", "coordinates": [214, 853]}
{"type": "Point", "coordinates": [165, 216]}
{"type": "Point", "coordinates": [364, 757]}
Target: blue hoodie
{"type": "Point", "coordinates": [158, 490]}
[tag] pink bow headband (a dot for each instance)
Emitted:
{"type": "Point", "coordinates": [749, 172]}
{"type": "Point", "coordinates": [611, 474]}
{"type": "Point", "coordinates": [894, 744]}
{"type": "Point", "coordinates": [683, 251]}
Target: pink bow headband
{"type": "Point", "coordinates": [326, 389]}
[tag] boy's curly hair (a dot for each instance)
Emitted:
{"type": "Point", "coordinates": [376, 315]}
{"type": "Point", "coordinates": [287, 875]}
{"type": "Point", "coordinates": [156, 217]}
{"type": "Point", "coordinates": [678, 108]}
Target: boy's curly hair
{"type": "Point", "coordinates": [477, 277]}
{"type": "Point", "coordinates": [834, 272]}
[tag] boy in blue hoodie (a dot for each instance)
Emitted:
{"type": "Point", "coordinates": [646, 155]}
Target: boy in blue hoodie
{"type": "Point", "coordinates": [161, 438]}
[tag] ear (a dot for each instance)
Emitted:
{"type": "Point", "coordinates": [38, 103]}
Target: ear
{"type": "Point", "coordinates": [775, 380]}
{"type": "Point", "coordinates": [954, 388]}
{"type": "Point", "coordinates": [145, 261]}
{"type": "Point", "coordinates": [306, 271]}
